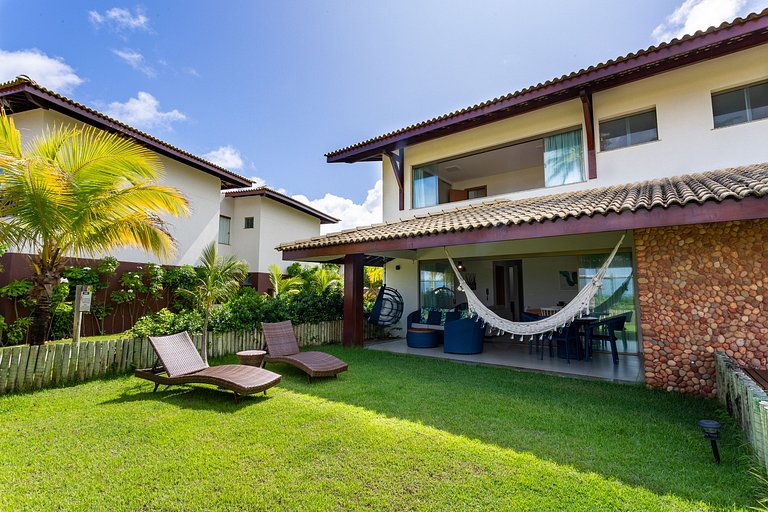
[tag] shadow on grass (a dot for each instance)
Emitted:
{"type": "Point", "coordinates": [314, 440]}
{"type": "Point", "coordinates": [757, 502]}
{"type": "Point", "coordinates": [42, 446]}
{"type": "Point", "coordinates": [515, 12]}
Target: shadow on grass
{"type": "Point", "coordinates": [197, 397]}
{"type": "Point", "coordinates": [641, 437]}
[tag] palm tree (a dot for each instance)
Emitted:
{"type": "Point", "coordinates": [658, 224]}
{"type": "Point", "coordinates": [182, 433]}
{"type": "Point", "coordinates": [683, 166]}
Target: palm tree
{"type": "Point", "coordinates": [282, 286]}
{"type": "Point", "coordinates": [219, 279]}
{"type": "Point", "coordinates": [79, 191]}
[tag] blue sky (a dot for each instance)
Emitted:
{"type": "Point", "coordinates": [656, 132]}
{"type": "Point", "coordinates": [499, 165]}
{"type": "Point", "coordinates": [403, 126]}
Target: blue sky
{"type": "Point", "coordinates": [266, 88]}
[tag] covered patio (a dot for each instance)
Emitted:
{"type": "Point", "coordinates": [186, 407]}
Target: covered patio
{"type": "Point", "coordinates": [503, 353]}
{"type": "Point", "coordinates": [564, 235]}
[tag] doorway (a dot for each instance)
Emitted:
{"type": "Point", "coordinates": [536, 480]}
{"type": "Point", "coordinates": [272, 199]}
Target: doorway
{"type": "Point", "coordinates": [508, 288]}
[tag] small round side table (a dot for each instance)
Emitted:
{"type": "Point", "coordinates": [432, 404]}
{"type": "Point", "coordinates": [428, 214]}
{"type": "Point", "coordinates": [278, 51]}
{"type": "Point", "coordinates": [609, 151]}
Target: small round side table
{"type": "Point", "coordinates": [252, 357]}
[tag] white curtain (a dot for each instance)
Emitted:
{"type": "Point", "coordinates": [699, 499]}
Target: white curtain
{"type": "Point", "coordinates": [563, 159]}
{"type": "Point", "coordinates": [424, 187]}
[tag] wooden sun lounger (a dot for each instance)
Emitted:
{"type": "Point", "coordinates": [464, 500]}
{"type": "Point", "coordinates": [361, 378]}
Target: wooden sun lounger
{"type": "Point", "coordinates": [282, 347]}
{"type": "Point", "coordinates": [178, 362]}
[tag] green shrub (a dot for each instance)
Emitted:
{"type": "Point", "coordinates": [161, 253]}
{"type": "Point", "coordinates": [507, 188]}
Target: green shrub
{"type": "Point", "coordinates": [167, 322]}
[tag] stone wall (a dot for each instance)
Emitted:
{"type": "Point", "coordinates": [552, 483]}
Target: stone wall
{"type": "Point", "coordinates": [701, 289]}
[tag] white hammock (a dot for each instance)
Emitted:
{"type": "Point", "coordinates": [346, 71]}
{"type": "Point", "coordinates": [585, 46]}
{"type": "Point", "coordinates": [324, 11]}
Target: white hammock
{"type": "Point", "coordinates": [580, 305]}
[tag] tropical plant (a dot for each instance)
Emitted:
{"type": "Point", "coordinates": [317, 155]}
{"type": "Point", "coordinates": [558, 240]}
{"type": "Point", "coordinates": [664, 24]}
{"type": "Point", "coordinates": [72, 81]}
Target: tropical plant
{"type": "Point", "coordinates": [324, 279]}
{"type": "Point", "coordinates": [281, 285]}
{"type": "Point", "coordinates": [79, 191]}
{"type": "Point", "coordinates": [219, 279]}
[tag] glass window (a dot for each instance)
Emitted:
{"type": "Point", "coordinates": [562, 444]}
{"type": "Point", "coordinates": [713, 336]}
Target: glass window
{"type": "Point", "coordinates": [628, 131]}
{"type": "Point", "coordinates": [563, 159]}
{"type": "Point", "coordinates": [248, 223]}
{"type": "Point", "coordinates": [617, 296]}
{"type": "Point", "coordinates": [436, 285]}
{"type": "Point", "coordinates": [474, 193]}
{"type": "Point", "coordinates": [740, 106]}
{"type": "Point", "coordinates": [224, 223]}
{"type": "Point", "coordinates": [425, 186]}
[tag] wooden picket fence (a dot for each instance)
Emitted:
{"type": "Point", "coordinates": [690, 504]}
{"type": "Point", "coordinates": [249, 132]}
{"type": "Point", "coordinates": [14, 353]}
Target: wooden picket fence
{"type": "Point", "coordinates": [28, 368]}
{"type": "Point", "coordinates": [746, 401]}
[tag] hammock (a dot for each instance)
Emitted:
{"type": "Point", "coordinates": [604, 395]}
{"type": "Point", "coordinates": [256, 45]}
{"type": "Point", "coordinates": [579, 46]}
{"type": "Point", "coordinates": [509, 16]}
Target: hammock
{"type": "Point", "coordinates": [580, 305]}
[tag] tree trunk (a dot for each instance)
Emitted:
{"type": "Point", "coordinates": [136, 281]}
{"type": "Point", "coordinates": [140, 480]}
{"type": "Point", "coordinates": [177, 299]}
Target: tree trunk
{"type": "Point", "coordinates": [38, 329]}
{"type": "Point", "coordinates": [47, 267]}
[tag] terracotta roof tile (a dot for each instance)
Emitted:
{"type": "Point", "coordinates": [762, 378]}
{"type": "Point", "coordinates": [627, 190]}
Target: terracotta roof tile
{"type": "Point", "coordinates": [664, 47]}
{"type": "Point", "coordinates": [732, 183]}
{"type": "Point", "coordinates": [27, 82]}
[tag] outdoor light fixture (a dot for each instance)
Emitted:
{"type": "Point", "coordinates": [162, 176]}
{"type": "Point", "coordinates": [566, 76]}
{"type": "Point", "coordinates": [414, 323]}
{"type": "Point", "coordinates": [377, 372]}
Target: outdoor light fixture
{"type": "Point", "coordinates": [711, 430]}
{"type": "Point", "coordinates": [460, 267]}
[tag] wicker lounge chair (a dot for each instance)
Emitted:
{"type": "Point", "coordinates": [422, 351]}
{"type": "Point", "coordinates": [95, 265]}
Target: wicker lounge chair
{"type": "Point", "coordinates": [282, 347]}
{"type": "Point", "coordinates": [181, 363]}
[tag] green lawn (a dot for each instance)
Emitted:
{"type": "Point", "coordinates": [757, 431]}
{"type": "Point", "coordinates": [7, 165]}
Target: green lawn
{"type": "Point", "coordinates": [392, 433]}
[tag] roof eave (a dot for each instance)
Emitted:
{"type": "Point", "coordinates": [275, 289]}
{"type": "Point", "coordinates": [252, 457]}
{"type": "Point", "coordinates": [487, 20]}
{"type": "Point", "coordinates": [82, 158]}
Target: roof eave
{"type": "Point", "coordinates": [45, 101]}
{"type": "Point", "coordinates": [750, 33]}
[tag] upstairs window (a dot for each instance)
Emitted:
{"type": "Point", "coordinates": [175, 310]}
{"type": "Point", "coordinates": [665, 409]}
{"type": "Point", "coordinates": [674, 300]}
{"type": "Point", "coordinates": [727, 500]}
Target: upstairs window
{"type": "Point", "coordinates": [248, 223]}
{"type": "Point", "coordinates": [628, 131]}
{"type": "Point", "coordinates": [546, 161]}
{"type": "Point", "coordinates": [740, 106]}
{"type": "Point", "coordinates": [224, 223]}
{"type": "Point", "coordinates": [563, 159]}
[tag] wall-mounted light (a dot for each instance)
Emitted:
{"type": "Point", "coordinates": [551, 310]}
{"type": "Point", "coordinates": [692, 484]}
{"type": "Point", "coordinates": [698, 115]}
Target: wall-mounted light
{"type": "Point", "coordinates": [460, 267]}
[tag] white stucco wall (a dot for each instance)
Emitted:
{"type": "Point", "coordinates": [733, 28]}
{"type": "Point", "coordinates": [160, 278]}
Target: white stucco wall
{"type": "Point", "coordinates": [202, 191]}
{"type": "Point", "coordinates": [687, 140]}
{"type": "Point", "coordinates": [281, 224]}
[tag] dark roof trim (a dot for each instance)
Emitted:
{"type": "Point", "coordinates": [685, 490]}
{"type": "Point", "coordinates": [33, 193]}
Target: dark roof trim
{"type": "Point", "coordinates": [23, 94]}
{"type": "Point", "coordinates": [728, 38]}
{"type": "Point", "coordinates": [282, 198]}
{"type": "Point", "coordinates": [726, 210]}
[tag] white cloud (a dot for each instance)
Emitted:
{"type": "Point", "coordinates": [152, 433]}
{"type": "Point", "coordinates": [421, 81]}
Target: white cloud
{"type": "Point", "coordinates": [227, 157]}
{"type": "Point", "coordinates": [350, 213]}
{"type": "Point", "coordinates": [47, 71]}
{"type": "Point", "coordinates": [258, 182]}
{"type": "Point", "coordinates": [143, 112]}
{"type": "Point", "coordinates": [120, 19]}
{"type": "Point", "coordinates": [135, 60]}
{"type": "Point", "coordinates": [693, 15]}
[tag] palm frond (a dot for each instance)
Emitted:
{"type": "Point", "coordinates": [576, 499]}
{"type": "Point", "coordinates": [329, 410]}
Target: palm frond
{"type": "Point", "coordinates": [10, 138]}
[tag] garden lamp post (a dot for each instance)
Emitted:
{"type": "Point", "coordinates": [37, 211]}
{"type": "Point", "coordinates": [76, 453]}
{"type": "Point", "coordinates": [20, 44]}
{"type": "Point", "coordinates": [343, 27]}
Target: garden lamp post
{"type": "Point", "coordinates": [711, 430]}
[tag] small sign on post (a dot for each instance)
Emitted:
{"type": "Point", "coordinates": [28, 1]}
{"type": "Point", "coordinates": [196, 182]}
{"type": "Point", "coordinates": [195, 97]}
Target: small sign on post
{"type": "Point", "coordinates": [83, 295]}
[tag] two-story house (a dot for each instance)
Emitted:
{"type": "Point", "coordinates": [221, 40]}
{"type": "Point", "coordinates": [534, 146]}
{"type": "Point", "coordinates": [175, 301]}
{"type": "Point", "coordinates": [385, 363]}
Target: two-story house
{"type": "Point", "coordinates": [263, 218]}
{"type": "Point", "coordinates": [531, 190]}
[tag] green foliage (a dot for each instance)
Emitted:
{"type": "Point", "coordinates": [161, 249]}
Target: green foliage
{"type": "Point", "coordinates": [16, 289]}
{"type": "Point", "coordinates": [17, 331]}
{"type": "Point", "coordinates": [281, 285]}
{"type": "Point", "coordinates": [167, 322]}
{"type": "Point", "coordinates": [180, 282]}
{"type": "Point", "coordinates": [77, 276]}
{"type": "Point", "coordinates": [294, 270]}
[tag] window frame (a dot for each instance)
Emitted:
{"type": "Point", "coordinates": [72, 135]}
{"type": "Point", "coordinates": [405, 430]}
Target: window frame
{"type": "Point", "coordinates": [245, 222]}
{"type": "Point", "coordinates": [626, 117]}
{"type": "Point", "coordinates": [747, 103]}
{"type": "Point", "coordinates": [229, 230]}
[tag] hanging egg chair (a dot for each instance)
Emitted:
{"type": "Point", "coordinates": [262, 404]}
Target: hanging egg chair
{"type": "Point", "coordinates": [388, 307]}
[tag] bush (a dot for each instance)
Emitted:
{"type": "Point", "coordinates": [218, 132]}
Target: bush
{"type": "Point", "coordinates": [166, 322]}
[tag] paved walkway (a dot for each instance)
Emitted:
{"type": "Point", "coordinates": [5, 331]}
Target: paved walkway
{"type": "Point", "coordinates": [515, 355]}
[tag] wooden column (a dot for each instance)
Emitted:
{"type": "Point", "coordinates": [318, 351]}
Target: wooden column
{"type": "Point", "coordinates": [397, 160]}
{"type": "Point", "coordinates": [353, 300]}
{"type": "Point", "coordinates": [589, 125]}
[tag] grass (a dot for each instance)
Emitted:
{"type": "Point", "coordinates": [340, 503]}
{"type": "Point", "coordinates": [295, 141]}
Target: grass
{"type": "Point", "coordinates": [393, 433]}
